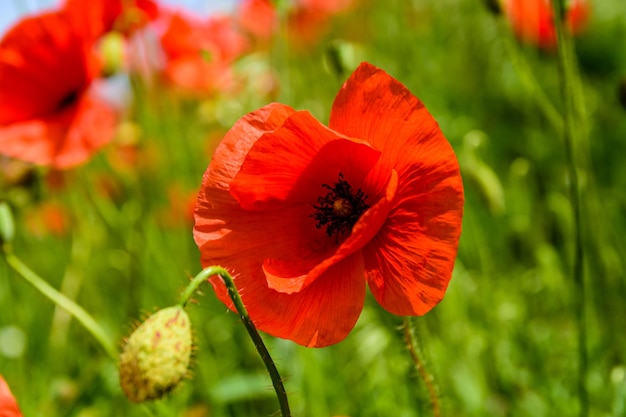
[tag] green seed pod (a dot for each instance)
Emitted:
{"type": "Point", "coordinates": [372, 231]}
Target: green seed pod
{"type": "Point", "coordinates": [156, 355]}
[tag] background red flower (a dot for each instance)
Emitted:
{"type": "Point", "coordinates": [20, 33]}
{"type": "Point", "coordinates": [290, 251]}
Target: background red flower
{"type": "Point", "coordinates": [258, 17]}
{"type": "Point", "coordinates": [532, 20]}
{"type": "Point", "coordinates": [49, 113]}
{"type": "Point", "coordinates": [199, 53]}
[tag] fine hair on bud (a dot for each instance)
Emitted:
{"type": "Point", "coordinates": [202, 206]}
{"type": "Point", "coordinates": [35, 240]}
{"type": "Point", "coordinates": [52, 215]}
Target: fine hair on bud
{"type": "Point", "coordinates": [156, 356]}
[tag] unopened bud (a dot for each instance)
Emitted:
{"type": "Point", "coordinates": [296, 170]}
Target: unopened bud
{"type": "Point", "coordinates": [156, 356]}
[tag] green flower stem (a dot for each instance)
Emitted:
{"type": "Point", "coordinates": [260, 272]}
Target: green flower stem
{"type": "Point", "coordinates": [570, 90]}
{"type": "Point", "coordinates": [60, 300]}
{"type": "Point", "coordinates": [195, 284]}
{"type": "Point", "coordinates": [245, 318]}
{"type": "Point", "coordinates": [413, 346]}
{"type": "Point", "coordinates": [528, 79]}
{"type": "Point", "coordinates": [73, 277]}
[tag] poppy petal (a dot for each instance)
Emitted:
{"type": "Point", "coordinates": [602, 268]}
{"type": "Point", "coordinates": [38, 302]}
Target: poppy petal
{"type": "Point", "coordinates": [44, 62]}
{"type": "Point", "coordinates": [218, 216]}
{"type": "Point", "coordinates": [291, 164]}
{"type": "Point", "coordinates": [322, 314]}
{"type": "Point", "coordinates": [8, 405]}
{"type": "Point", "coordinates": [61, 140]}
{"type": "Point", "coordinates": [373, 106]}
{"type": "Point", "coordinates": [231, 153]}
{"type": "Point", "coordinates": [409, 263]}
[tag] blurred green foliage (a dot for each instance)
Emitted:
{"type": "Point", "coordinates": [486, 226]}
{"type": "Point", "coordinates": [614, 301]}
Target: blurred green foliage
{"type": "Point", "coordinates": [503, 341]}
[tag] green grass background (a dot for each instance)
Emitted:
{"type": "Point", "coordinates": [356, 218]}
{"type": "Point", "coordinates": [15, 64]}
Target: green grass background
{"type": "Point", "coordinates": [504, 340]}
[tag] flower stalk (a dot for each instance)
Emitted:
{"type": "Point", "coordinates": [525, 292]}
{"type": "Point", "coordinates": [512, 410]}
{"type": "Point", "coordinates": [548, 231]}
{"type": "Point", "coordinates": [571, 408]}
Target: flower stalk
{"type": "Point", "coordinates": [277, 381]}
{"type": "Point", "coordinates": [570, 91]}
{"type": "Point", "coordinates": [531, 85]}
{"type": "Point", "coordinates": [59, 299]}
{"type": "Point", "coordinates": [413, 346]}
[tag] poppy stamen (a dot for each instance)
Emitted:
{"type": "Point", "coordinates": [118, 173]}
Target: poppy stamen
{"type": "Point", "coordinates": [340, 208]}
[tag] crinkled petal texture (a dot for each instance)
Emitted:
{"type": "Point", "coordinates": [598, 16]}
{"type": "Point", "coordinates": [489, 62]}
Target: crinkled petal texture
{"type": "Point", "coordinates": [254, 216]}
{"type": "Point", "coordinates": [409, 262]}
{"type": "Point", "coordinates": [255, 211]}
{"type": "Point", "coordinates": [8, 405]}
{"type": "Point", "coordinates": [48, 114]}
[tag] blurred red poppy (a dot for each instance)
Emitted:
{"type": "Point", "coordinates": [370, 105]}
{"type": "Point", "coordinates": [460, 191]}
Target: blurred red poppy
{"type": "Point", "coordinates": [49, 112]}
{"type": "Point", "coordinates": [180, 208]}
{"type": "Point", "coordinates": [102, 16]}
{"type": "Point", "coordinates": [8, 405]}
{"type": "Point", "coordinates": [310, 20]}
{"type": "Point", "coordinates": [48, 218]}
{"type": "Point", "coordinates": [199, 53]}
{"type": "Point", "coordinates": [257, 17]}
{"type": "Point", "coordinates": [303, 214]}
{"type": "Point", "coordinates": [306, 26]}
{"type": "Point", "coordinates": [532, 20]}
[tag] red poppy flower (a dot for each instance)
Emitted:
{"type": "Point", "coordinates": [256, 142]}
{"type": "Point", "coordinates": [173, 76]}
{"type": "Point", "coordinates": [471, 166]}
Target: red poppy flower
{"type": "Point", "coordinates": [258, 17]}
{"type": "Point", "coordinates": [310, 20]}
{"type": "Point", "coordinates": [199, 54]}
{"type": "Point", "coordinates": [8, 405]}
{"type": "Point", "coordinates": [48, 218]}
{"type": "Point", "coordinates": [304, 215]}
{"type": "Point", "coordinates": [49, 115]}
{"type": "Point", "coordinates": [532, 20]}
{"type": "Point", "coordinates": [307, 26]}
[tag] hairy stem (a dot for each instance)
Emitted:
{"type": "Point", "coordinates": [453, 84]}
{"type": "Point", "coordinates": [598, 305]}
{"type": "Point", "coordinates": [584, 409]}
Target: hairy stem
{"type": "Point", "coordinates": [570, 90]}
{"type": "Point", "coordinates": [413, 346]}
{"type": "Point", "coordinates": [277, 381]}
{"type": "Point", "coordinates": [61, 300]}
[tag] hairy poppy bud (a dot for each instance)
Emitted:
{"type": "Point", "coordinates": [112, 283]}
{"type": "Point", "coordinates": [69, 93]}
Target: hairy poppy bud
{"type": "Point", "coordinates": [156, 356]}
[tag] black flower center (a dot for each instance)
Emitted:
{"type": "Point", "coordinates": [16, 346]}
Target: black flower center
{"type": "Point", "coordinates": [339, 209]}
{"type": "Point", "coordinates": [69, 99]}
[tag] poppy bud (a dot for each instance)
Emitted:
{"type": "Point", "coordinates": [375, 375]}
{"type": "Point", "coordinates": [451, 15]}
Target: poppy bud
{"type": "Point", "coordinates": [156, 355]}
{"type": "Point", "coordinates": [341, 55]}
